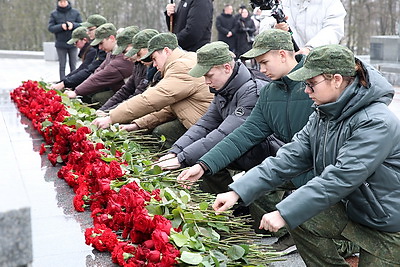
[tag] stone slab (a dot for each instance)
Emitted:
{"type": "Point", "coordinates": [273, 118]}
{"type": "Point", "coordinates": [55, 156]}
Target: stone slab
{"type": "Point", "coordinates": [15, 237]}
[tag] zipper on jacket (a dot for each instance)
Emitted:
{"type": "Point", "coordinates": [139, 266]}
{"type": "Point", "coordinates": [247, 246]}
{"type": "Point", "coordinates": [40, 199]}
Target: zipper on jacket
{"type": "Point", "coordinates": [289, 92]}
{"type": "Point", "coordinates": [325, 141]}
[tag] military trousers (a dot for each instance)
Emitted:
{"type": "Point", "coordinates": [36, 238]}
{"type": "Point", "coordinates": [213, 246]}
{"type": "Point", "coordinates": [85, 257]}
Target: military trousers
{"type": "Point", "coordinates": [315, 240]}
{"type": "Point", "coordinates": [171, 130]}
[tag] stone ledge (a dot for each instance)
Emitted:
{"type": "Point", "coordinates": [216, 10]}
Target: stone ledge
{"type": "Point", "coordinates": [21, 54]}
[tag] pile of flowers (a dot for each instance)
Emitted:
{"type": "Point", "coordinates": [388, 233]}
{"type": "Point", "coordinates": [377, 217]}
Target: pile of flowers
{"type": "Point", "coordinates": [139, 214]}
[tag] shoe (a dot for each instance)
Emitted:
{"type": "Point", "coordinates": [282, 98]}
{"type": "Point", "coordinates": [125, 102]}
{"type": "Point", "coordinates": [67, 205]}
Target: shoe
{"type": "Point", "coordinates": [285, 244]}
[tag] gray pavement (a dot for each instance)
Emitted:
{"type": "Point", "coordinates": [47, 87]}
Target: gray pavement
{"type": "Point", "coordinates": [57, 229]}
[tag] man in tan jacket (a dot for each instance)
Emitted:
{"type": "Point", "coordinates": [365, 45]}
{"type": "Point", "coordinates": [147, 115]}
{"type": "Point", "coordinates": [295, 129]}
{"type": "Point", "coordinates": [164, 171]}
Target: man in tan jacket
{"type": "Point", "coordinates": [177, 101]}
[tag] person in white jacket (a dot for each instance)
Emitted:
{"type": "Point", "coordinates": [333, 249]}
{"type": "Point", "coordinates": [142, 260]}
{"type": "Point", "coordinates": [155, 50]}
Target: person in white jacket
{"type": "Point", "coordinates": [313, 22]}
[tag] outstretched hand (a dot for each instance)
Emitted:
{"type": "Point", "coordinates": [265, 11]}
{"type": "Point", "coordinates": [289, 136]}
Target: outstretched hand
{"type": "Point", "coordinates": [103, 122]}
{"type": "Point", "coordinates": [190, 175]}
{"type": "Point", "coordinates": [168, 163]}
{"type": "Point", "coordinates": [225, 201]}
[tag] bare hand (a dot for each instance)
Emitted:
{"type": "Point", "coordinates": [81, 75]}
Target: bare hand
{"type": "Point", "coordinates": [64, 26]}
{"type": "Point", "coordinates": [170, 9]}
{"type": "Point", "coordinates": [229, 34]}
{"type": "Point", "coordinates": [272, 221]}
{"type": "Point", "coordinates": [192, 174]}
{"type": "Point", "coordinates": [103, 122]}
{"type": "Point", "coordinates": [70, 94]}
{"type": "Point", "coordinates": [70, 25]}
{"type": "Point", "coordinates": [284, 26]}
{"type": "Point", "coordinates": [101, 113]}
{"type": "Point", "coordinates": [57, 86]}
{"type": "Point", "coordinates": [225, 201]}
{"type": "Point", "coordinates": [169, 164]}
{"type": "Point", "coordinates": [129, 127]}
{"type": "Point", "coordinates": [303, 51]}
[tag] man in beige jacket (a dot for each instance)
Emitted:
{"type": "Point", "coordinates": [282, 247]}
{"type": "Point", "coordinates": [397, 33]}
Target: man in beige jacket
{"type": "Point", "coordinates": [177, 101]}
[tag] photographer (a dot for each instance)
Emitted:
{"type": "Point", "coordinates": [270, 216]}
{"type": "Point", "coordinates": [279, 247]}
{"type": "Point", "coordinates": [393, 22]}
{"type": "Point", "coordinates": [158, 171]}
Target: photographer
{"type": "Point", "coordinates": [313, 23]}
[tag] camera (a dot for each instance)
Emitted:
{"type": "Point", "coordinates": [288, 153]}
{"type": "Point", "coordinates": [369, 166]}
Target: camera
{"type": "Point", "coordinates": [263, 4]}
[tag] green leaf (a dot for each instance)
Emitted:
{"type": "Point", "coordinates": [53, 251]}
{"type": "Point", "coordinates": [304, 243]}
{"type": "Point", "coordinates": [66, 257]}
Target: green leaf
{"type": "Point", "coordinates": [113, 149]}
{"type": "Point", "coordinates": [235, 252]}
{"type": "Point", "coordinates": [163, 139]}
{"type": "Point", "coordinates": [154, 209]}
{"type": "Point", "coordinates": [46, 124]}
{"type": "Point", "coordinates": [203, 205]}
{"type": "Point", "coordinates": [220, 226]}
{"type": "Point", "coordinates": [127, 156]}
{"type": "Point", "coordinates": [179, 239]}
{"type": "Point", "coordinates": [219, 255]}
{"type": "Point", "coordinates": [191, 258]}
{"type": "Point", "coordinates": [246, 248]}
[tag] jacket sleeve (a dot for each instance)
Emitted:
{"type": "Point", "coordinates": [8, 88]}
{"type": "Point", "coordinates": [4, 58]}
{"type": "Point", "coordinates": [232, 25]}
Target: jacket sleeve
{"type": "Point", "coordinates": [150, 121]}
{"type": "Point", "coordinates": [127, 90]}
{"type": "Point", "coordinates": [53, 27]}
{"type": "Point", "coordinates": [113, 73]}
{"type": "Point", "coordinates": [174, 87]}
{"type": "Point", "coordinates": [354, 164]}
{"type": "Point", "coordinates": [206, 124]}
{"type": "Point", "coordinates": [217, 127]}
{"type": "Point", "coordinates": [333, 26]}
{"type": "Point", "coordinates": [252, 132]}
{"type": "Point", "coordinates": [198, 17]}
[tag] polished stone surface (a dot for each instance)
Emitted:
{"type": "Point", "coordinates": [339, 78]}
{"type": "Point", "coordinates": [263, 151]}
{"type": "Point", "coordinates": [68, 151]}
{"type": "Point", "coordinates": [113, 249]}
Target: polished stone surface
{"type": "Point", "coordinates": [57, 229]}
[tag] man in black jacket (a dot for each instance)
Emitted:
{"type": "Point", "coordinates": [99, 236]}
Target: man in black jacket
{"type": "Point", "coordinates": [63, 20]}
{"type": "Point", "coordinates": [225, 26]}
{"type": "Point", "coordinates": [191, 22]}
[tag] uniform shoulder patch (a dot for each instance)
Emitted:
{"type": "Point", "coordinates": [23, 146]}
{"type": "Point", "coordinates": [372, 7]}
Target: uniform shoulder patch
{"type": "Point", "coordinates": [239, 111]}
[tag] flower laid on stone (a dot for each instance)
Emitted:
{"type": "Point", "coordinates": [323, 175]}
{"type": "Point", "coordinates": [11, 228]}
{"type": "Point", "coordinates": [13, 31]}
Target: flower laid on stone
{"type": "Point", "coordinates": [140, 214]}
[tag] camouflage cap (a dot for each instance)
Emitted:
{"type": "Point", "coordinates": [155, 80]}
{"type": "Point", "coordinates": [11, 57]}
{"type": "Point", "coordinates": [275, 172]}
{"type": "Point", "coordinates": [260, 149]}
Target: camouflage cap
{"type": "Point", "coordinates": [94, 20]}
{"type": "Point", "coordinates": [78, 34]}
{"type": "Point", "coordinates": [266, 41]}
{"type": "Point", "coordinates": [124, 38]}
{"type": "Point", "coordinates": [104, 31]}
{"type": "Point", "coordinates": [140, 40]}
{"type": "Point", "coordinates": [158, 42]}
{"type": "Point", "coordinates": [327, 59]}
{"type": "Point", "coordinates": [210, 55]}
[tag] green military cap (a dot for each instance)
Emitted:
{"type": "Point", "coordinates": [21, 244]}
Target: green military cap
{"type": "Point", "coordinates": [327, 59]}
{"type": "Point", "coordinates": [124, 38]}
{"type": "Point", "coordinates": [95, 20]}
{"type": "Point", "coordinates": [268, 40]}
{"type": "Point", "coordinates": [158, 42]}
{"type": "Point", "coordinates": [78, 34]}
{"type": "Point", "coordinates": [210, 55]}
{"type": "Point", "coordinates": [104, 31]}
{"type": "Point", "coordinates": [140, 41]}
